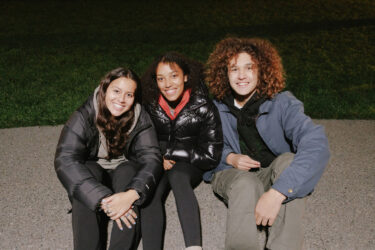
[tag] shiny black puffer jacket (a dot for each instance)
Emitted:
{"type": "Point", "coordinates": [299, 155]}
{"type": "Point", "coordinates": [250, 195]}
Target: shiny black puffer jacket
{"type": "Point", "coordinates": [194, 136]}
{"type": "Point", "coordinates": [79, 142]}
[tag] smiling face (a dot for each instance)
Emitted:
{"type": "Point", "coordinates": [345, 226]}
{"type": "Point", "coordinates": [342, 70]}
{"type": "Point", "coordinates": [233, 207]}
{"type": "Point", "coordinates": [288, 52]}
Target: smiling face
{"type": "Point", "coordinates": [171, 80]}
{"type": "Point", "coordinates": [119, 97]}
{"type": "Point", "coordinates": [243, 77]}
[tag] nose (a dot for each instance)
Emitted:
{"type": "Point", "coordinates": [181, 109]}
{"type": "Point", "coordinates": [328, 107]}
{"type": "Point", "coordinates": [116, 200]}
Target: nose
{"type": "Point", "coordinates": [168, 83]}
{"type": "Point", "coordinates": [123, 98]}
{"type": "Point", "coordinates": [241, 74]}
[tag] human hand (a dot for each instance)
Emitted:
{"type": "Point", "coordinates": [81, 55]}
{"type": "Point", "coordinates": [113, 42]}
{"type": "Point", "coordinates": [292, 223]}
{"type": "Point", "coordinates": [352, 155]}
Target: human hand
{"type": "Point", "coordinates": [168, 164]}
{"type": "Point", "coordinates": [128, 218]}
{"type": "Point", "coordinates": [268, 207]}
{"type": "Point", "coordinates": [242, 162]}
{"type": "Point", "coordinates": [118, 204]}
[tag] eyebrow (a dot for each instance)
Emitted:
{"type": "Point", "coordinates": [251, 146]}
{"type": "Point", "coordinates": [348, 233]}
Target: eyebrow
{"type": "Point", "coordinates": [174, 71]}
{"type": "Point", "coordinates": [235, 65]}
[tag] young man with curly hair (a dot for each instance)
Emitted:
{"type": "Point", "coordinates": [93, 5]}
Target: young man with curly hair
{"type": "Point", "coordinates": [273, 153]}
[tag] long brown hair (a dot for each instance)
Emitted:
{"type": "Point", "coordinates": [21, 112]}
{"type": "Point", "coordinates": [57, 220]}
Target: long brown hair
{"type": "Point", "coordinates": [115, 128]}
{"type": "Point", "coordinates": [271, 78]}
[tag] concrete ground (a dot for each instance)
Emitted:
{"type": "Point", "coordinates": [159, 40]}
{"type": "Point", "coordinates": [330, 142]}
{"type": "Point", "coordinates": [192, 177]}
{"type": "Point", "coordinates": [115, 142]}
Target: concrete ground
{"type": "Point", "coordinates": [340, 213]}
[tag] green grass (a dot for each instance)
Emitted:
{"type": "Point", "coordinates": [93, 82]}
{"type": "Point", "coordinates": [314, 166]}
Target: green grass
{"type": "Point", "coordinates": [54, 53]}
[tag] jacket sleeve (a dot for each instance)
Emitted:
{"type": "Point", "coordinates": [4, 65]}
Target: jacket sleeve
{"type": "Point", "coordinates": [70, 158]}
{"type": "Point", "coordinates": [148, 156]}
{"type": "Point", "coordinates": [311, 149]}
{"type": "Point", "coordinates": [208, 152]}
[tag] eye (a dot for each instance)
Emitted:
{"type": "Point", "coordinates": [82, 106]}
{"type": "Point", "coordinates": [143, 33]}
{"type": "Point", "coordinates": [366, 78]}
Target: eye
{"type": "Point", "coordinates": [159, 79]}
{"type": "Point", "coordinates": [234, 69]}
{"type": "Point", "coordinates": [174, 76]}
{"type": "Point", "coordinates": [130, 95]}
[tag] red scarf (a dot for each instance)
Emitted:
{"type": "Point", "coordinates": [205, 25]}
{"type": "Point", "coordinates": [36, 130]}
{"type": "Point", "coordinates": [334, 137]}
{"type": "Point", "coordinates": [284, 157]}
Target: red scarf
{"type": "Point", "coordinates": [164, 105]}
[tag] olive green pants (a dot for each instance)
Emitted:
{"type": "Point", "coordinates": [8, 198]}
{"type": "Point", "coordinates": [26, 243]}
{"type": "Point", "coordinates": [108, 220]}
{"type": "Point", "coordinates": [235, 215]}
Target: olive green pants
{"type": "Point", "coordinates": [241, 191]}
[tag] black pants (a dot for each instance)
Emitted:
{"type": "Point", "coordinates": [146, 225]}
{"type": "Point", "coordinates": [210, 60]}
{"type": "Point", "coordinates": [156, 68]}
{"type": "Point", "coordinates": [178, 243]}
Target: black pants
{"type": "Point", "coordinates": [182, 178]}
{"type": "Point", "coordinates": [90, 228]}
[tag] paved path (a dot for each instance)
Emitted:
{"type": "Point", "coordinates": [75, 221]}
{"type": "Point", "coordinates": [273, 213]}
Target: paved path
{"type": "Point", "coordinates": [340, 214]}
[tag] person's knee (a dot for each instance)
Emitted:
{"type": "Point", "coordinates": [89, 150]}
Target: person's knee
{"type": "Point", "coordinates": [246, 185]}
{"type": "Point", "coordinates": [179, 175]}
{"type": "Point", "coordinates": [127, 169]}
{"type": "Point", "coordinates": [123, 175]}
{"type": "Point", "coordinates": [281, 163]}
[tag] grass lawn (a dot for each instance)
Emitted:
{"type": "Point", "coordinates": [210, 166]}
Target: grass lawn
{"type": "Point", "coordinates": [54, 53]}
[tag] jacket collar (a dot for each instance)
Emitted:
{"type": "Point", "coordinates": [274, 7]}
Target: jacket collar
{"type": "Point", "coordinates": [197, 99]}
{"type": "Point", "coordinates": [267, 105]}
{"type": "Point", "coordinates": [263, 109]}
{"type": "Point", "coordinates": [221, 106]}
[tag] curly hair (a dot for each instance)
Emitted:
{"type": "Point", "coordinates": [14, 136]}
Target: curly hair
{"type": "Point", "coordinates": [191, 68]}
{"type": "Point", "coordinates": [115, 128]}
{"type": "Point", "coordinates": [271, 77]}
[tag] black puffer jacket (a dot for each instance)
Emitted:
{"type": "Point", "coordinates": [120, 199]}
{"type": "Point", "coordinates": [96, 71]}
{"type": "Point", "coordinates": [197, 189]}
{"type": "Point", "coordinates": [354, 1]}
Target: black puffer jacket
{"type": "Point", "coordinates": [79, 142]}
{"type": "Point", "coordinates": [194, 136]}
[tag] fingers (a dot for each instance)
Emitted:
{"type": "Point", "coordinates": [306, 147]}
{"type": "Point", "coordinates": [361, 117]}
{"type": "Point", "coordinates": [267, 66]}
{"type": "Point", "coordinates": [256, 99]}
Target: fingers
{"type": "Point", "coordinates": [129, 218]}
{"type": "Point", "coordinates": [167, 167]}
{"type": "Point", "coordinates": [246, 163]}
{"type": "Point", "coordinates": [103, 207]}
{"type": "Point", "coordinates": [243, 167]}
{"type": "Point", "coordinates": [126, 221]}
{"type": "Point", "coordinates": [271, 221]}
{"type": "Point", "coordinates": [168, 164]}
{"type": "Point", "coordinates": [119, 225]}
{"type": "Point", "coordinates": [111, 214]}
{"type": "Point", "coordinates": [259, 220]}
{"type": "Point", "coordinates": [109, 211]}
{"type": "Point", "coordinates": [242, 162]}
{"type": "Point", "coordinates": [107, 200]}
{"type": "Point", "coordinates": [133, 214]}
{"type": "Point", "coordinates": [264, 220]}
{"type": "Point", "coordinates": [247, 160]}
{"type": "Point", "coordinates": [117, 214]}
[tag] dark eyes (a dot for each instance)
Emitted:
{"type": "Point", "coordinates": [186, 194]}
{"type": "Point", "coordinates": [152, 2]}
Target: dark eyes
{"type": "Point", "coordinates": [236, 69]}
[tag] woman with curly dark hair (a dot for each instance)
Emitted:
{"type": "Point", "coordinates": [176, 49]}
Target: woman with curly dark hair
{"type": "Point", "coordinates": [109, 161]}
{"type": "Point", "coordinates": [273, 153]}
{"type": "Point", "coordinates": [190, 137]}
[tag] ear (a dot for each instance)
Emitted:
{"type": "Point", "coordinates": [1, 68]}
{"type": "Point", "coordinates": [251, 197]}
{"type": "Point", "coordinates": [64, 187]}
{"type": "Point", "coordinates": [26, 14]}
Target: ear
{"type": "Point", "coordinates": [185, 78]}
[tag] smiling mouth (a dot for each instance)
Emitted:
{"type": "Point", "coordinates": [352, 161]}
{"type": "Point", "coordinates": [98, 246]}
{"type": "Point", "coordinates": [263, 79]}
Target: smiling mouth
{"type": "Point", "coordinates": [241, 84]}
{"type": "Point", "coordinates": [118, 106]}
{"type": "Point", "coordinates": [170, 91]}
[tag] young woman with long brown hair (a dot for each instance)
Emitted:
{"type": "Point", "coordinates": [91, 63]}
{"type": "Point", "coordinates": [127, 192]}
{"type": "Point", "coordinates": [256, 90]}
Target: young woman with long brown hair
{"type": "Point", "coordinates": [109, 161]}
